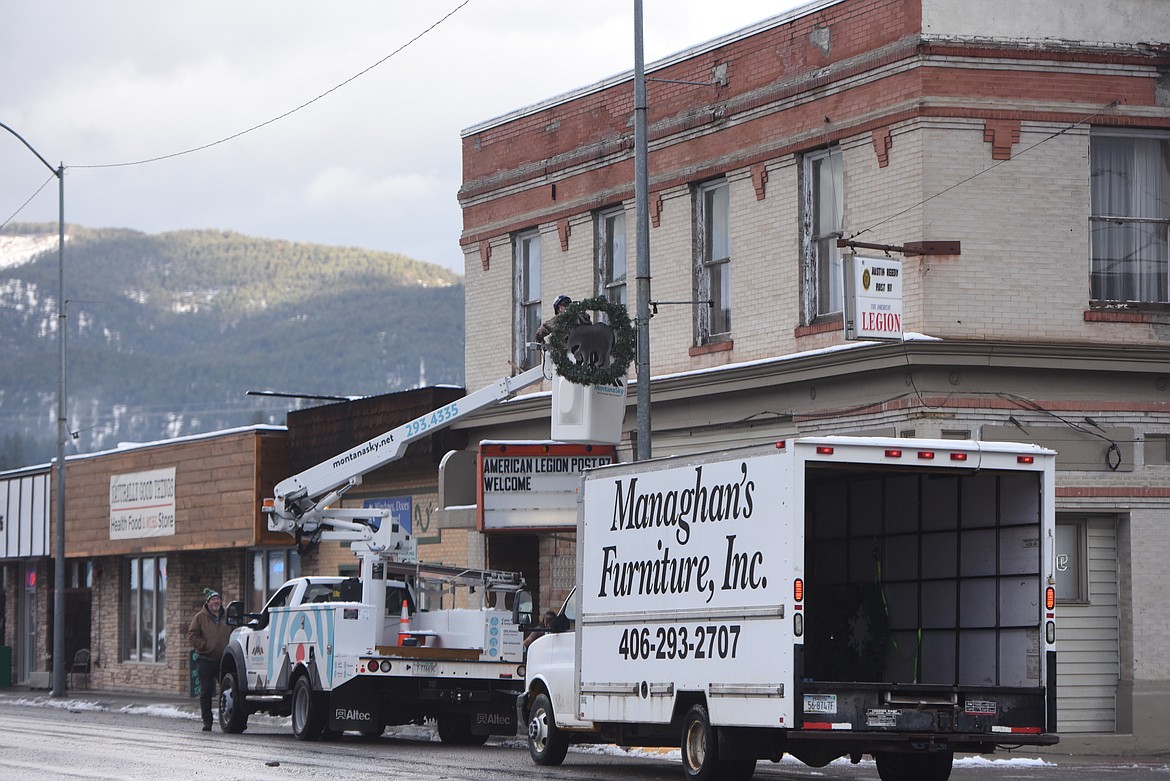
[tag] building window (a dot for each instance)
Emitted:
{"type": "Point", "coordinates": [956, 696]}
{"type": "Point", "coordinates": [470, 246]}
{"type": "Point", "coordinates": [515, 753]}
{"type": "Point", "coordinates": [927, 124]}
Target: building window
{"type": "Point", "coordinates": [145, 638]}
{"type": "Point", "coordinates": [1071, 561]}
{"type": "Point", "coordinates": [611, 255]}
{"type": "Point", "coordinates": [1130, 196]}
{"type": "Point", "coordinates": [527, 295]}
{"type": "Point", "coordinates": [713, 271]}
{"type": "Point", "coordinates": [269, 571]}
{"type": "Point", "coordinates": [822, 193]}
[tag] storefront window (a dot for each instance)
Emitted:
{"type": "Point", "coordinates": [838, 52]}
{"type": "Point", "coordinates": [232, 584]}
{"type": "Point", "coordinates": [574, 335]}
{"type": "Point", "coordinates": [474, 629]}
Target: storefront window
{"type": "Point", "coordinates": [269, 571]}
{"type": "Point", "coordinates": [145, 632]}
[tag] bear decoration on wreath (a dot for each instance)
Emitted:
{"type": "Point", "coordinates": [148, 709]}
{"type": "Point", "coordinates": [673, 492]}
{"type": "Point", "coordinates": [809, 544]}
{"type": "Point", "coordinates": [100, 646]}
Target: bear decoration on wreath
{"type": "Point", "coordinates": [621, 350]}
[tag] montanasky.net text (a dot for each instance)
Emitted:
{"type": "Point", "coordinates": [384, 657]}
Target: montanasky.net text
{"type": "Point", "coordinates": [370, 447]}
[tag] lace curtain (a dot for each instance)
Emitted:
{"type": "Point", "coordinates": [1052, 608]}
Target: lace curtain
{"type": "Point", "coordinates": [1130, 215]}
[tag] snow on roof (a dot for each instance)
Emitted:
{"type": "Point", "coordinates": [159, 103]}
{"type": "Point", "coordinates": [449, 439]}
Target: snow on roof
{"type": "Point", "coordinates": [125, 446]}
{"type": "Point", "coordinates": [909, 336]}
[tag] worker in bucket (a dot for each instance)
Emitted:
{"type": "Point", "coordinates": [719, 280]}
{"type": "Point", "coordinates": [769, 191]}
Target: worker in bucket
{"type": "Point", "coordinates": [559, 305]}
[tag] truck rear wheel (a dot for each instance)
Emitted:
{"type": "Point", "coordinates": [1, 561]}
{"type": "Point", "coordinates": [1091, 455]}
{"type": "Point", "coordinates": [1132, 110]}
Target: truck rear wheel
{"type": "Point", "coordinates": [455, 729]}
{"type": "Point", "coordinates": [700, 752]}
{"type": "Point", "coordinates": [233, 711]}
{"type": "Point", "coordinates": [308, 715]}
{"type": "Point", "coordinates": [933, 766]}
{"type": "Point", "coordinates": [547, 744]}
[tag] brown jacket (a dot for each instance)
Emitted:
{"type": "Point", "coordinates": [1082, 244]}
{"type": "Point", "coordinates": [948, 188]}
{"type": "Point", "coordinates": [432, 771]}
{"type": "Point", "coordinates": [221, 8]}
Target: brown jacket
{"type": "Point", "coordinates": [208, 634]}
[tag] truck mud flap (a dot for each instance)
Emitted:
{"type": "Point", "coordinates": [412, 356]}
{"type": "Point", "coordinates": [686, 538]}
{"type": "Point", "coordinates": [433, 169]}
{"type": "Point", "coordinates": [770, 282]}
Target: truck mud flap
{"type": "Point", "coordinates": [500, 720]}
{"type": "Point", "coordinates": [353, 712]}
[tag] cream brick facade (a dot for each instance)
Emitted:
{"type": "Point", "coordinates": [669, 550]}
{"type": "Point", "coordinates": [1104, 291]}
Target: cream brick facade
{"type": "Point", "coordinates": [955, 122]}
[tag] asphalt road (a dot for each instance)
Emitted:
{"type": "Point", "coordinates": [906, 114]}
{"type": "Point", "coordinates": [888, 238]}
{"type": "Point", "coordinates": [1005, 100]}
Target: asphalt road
{"type": "Point", "coordinates": [100, 739]}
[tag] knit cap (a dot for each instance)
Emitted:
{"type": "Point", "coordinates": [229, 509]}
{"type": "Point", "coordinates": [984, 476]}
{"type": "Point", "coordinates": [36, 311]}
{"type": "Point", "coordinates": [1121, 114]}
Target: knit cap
{"type": "Point", "coordinates": [208, 593]}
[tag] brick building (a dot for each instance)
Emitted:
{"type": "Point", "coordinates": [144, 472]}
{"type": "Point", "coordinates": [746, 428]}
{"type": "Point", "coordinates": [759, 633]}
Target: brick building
{"type": "Point", "coordinates": [1024, 147]}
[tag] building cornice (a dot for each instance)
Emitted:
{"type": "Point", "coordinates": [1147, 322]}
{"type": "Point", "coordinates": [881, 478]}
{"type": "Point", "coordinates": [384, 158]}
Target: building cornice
{"type": "Point", "coordinates": [851, 361]}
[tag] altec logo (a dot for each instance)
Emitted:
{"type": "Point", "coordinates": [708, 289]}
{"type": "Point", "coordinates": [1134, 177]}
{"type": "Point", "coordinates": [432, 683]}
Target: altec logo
{"type": "Point", "coordinates": [492, 718]}
{"type": "Point", "coordinates": [352, 714]}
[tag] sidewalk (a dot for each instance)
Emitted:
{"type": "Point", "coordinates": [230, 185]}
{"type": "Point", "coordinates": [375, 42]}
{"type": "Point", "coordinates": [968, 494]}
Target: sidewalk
{"type": "Point", "coordinates": [107, 700]}
{"type": "Point", "coordinates": [1079, 749]}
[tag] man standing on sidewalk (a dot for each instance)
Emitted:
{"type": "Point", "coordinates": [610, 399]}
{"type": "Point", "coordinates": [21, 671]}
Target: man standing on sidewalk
{"type": "Point", "coordinates": [208, 635]}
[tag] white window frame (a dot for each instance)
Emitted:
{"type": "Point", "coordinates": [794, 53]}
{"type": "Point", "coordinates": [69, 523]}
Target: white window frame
{"type": "Point", "coordinates": [1129, 220]}
{"type": "Point", "coordinates": [143, 640]}
{"type": "Point", "coordinates": [613, 255]}
{"type": "Point", "coordinates": [713, 261]}
{"type": "Point", "coordinates": [822, 221]}
{"type": "Point", "coordinates": [526, 256]}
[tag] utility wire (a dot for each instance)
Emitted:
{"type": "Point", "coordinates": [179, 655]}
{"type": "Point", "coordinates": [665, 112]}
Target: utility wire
{"type": "Point", "coordinates": [990, 168]}
{"type": "Point", "coordinates": [288, 113]}
{"type": "Point", "coordinates": [4, 224]}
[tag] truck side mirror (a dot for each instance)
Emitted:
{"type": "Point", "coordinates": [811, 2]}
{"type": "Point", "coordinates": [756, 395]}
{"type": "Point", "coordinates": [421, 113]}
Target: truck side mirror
{"type": "Point", "coordinates": [522, 609]}
{"type": "Point", "coordinates": [235, 613]}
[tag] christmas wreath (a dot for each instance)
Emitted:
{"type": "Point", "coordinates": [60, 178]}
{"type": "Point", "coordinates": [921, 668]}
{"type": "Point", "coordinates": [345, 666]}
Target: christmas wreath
{"type": "Point", "coordinates": [619, 357]}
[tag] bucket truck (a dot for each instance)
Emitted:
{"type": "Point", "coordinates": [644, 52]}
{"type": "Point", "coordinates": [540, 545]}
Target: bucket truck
{"type": "Point", "coordinates": [400, 643]}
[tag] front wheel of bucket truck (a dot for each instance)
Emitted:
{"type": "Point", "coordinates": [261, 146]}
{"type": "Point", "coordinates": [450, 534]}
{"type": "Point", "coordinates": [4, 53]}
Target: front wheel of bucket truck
{"type": "Point", "coordinates": [308, 717]}
{"type": "Point", "coordinates": [546, 742]}
{"type": "Point", "coordinates": [935, 766]}
{"type": "Point", "coordinates": [233, 711]}
{"type": "Point", "coordinates": [700, 752]}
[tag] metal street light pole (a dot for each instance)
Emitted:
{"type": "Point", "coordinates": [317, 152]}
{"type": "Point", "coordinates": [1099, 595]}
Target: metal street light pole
{"type": "Point", "coordinates": [642, 218]}
{"type": "Point", "coordinates": [62, 432]}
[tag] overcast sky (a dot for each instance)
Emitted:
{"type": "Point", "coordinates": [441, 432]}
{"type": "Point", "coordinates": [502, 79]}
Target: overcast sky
{"type": "Point", "coordinates": [374, 163]}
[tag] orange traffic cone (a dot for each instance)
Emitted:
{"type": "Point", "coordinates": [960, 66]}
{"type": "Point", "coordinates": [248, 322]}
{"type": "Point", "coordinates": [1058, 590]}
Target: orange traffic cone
{"type": "Point", "coordinates": [403, 625]}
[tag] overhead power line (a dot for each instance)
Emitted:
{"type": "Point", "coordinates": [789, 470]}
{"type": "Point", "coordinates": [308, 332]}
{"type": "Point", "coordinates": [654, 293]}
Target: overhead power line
{"type": "Point", "coordinates": [990, 168]}
{"type": "Point", "coordinates": [288, 113]}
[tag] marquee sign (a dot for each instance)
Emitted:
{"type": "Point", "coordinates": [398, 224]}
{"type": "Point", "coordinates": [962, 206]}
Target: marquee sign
{"type": "Point", "coordinates": [532, 485]}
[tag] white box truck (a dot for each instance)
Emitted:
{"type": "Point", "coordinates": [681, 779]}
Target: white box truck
{"type": "Point", "coordinates": [819, 597]}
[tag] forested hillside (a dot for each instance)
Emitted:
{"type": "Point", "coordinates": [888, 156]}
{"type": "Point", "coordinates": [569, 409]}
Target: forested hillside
{"type": "Point", "coordinates": [167, 333]}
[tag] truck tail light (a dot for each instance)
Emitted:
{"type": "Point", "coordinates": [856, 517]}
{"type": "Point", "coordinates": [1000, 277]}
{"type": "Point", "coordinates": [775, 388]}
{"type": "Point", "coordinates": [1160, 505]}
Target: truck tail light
{"type": "Point", "coordinates": [1050, 632]}
{"type": "Point", "coordinates": [798, 589]}
{"type": "Point", "coordinates": [824, 450]}
{"type": "Point", "coordinates": [269, 505]}
{"type": "Point", "coordinates": [1025, 460]}
{"type": "Point", "coordinates": [893, 453]}
{"type": "Point", "coordinates": [798, 624]}
{"type": "Point", "coordinates": [926, 455]}
{"type": "Point", "coordinates": [1050, 597]}
{"type": "Point", "coordinates": [958, 456]}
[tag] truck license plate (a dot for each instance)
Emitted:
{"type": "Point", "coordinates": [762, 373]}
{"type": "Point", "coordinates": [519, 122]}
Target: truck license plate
{"type": "Point", "coordinates": [820, 703]}
{"type": "Point", "coordinates": [425, 668]}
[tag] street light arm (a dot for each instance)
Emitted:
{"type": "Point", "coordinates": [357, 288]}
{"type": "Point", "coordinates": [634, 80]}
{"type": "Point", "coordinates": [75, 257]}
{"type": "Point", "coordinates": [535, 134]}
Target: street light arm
{"type": "Point", "coordinates": [57, 172]}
